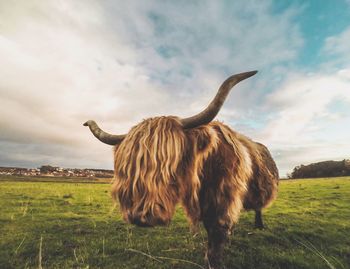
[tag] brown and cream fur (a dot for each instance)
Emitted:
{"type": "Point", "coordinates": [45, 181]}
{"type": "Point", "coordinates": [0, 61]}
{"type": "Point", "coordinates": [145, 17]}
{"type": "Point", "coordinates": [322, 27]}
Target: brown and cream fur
{"type": "Point", "coordinates": [213, 171]}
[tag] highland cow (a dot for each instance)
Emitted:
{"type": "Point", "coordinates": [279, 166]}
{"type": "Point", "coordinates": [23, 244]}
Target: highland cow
{"type": "Point", "coordinates": [213, 171]}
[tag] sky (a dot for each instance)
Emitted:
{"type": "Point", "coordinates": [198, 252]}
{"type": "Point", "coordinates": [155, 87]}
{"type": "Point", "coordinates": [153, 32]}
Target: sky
{"type": "Point", "coordinates": [118, 62]}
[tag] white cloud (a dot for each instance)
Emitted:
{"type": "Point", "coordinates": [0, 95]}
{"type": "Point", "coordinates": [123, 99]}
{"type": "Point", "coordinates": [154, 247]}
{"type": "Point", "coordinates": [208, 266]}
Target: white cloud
{"type": "Point", "coordinates": [311, 121]}
{"type": "Point", "coordinates": [303, 99]}
{"type": "Point", "coordinates": [338, 44]}
{"type": "Point", "coordinates": [309, 112]}
{"type": "Point", "coordinates": [337, 49]}
{"type": "Point", "coordinates": [60, 69]}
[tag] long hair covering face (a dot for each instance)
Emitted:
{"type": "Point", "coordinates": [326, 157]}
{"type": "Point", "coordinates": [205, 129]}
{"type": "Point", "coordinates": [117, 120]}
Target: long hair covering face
{"type": "Point", "coordinates": [146, 164]}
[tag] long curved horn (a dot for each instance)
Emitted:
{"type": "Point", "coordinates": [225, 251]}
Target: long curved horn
{"type": "Point", "coordinates": [102, 135]}
{"type": "Point", "coordinates": [208, 114]}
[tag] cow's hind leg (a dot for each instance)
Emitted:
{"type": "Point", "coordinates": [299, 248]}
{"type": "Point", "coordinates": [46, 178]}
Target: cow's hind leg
{"type": "Point", "coordinates": [258, 220]}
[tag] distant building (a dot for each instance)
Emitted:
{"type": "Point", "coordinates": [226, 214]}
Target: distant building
{"type": "Point", "coordinates": [48, 170]}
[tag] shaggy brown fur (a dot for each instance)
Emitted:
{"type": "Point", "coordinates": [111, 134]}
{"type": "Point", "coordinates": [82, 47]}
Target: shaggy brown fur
{"type": "Point", "coordinates": [146, 165]}
{"type": "Point", "coordinates": [212, 170]}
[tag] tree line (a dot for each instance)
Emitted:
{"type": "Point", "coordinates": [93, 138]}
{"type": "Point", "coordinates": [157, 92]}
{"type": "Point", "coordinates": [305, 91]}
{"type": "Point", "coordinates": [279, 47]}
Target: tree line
{"type": "Point", "coordinates": [322, 169]}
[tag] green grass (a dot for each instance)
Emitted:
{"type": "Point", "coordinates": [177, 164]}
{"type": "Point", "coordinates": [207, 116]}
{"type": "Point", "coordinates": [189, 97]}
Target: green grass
{"type": "Point", "coordinates": [73, 225]}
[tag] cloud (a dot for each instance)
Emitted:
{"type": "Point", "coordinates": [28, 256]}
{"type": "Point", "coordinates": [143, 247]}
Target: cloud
{"type": "Point", "coordinates": [338, 44]}
{"type": "Point", "coordinates": [337, 50]}
{"type": "Point", "coordinates": [59, 68]}
{"type": "Point", "coordinates": [65, 62]}
{"type": "Point", "coordinates": [225, 38]}
{"type": "Point", "coordinates": [311, 120]}
{"type": "Point", "coordinates": [303, 99]}
{"type": "Point", "coordinates": [61, 71]}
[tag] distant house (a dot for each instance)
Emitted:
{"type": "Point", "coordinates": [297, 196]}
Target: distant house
{"type": "Point", "coordinates": [49, 170]}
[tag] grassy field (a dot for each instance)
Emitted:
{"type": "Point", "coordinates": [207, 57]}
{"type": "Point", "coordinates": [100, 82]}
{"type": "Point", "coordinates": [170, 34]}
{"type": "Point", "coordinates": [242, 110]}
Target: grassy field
{"type": "Point", "coordinates": [73, 225]}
